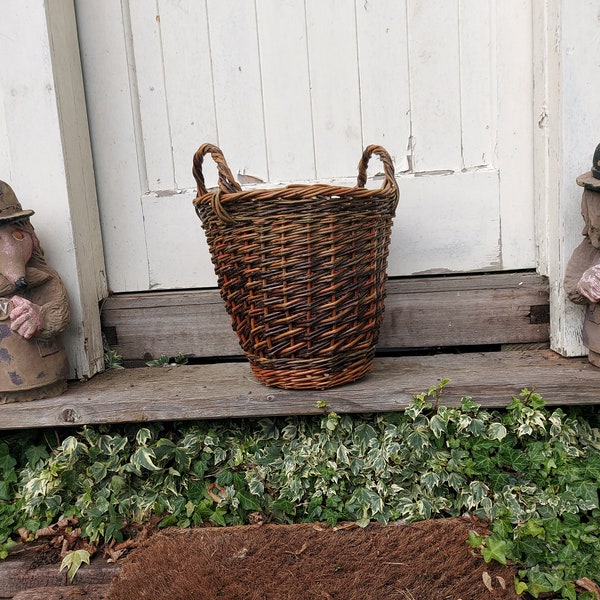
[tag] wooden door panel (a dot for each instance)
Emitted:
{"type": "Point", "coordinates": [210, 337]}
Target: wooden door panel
{"type": "Point", "coordinates": [443, 85]}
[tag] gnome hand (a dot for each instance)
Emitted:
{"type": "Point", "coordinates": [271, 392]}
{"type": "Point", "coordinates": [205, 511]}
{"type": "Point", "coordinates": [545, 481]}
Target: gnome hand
{"type": "Point", "coordinates": [26, 317]}
{"type": "Point", "coordinates": [589, 284]}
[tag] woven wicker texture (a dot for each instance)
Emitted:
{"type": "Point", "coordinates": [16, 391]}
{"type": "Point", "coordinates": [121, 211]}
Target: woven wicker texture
{"type": "Point", "coordinates": [302, 271]}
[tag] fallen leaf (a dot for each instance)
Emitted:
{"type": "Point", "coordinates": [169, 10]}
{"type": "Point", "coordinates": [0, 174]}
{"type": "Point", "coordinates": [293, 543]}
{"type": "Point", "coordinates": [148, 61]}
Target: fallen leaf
{"type": "Point", "coordinates": [241, 553]}
{"type": "Point", "coordinates": [501, 581]}
{"type": "Point", "coordinates": [73, 536]}
{"type": "Point", "coordinates": [67, 522]}
{"type": "Point", "coordinates": [487, 581]}
{"type": "Point", "coordinates": [256, 518]}
{"type": "Point", "coordinates": [345, 526]}
{"type": "Point", "coordinates": [112, 555]}
{"type": "Point", "coordinates": [23, 534]}
{"type": "Point", "coordinates": [57, 528]}
{"type": "Point", "coordinates": [304, 547]}
{"type": "Point", "coordinates": [589, 585]}
{"type": "Point", "coordinates": [46, 532]}
{"type": "Point", "coordinates": [220, 495]}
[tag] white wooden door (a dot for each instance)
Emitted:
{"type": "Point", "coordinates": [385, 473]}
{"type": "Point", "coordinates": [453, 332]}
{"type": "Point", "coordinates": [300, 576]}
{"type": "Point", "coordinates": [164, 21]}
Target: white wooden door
{"type": "Point", "coordinates": [293, 90]}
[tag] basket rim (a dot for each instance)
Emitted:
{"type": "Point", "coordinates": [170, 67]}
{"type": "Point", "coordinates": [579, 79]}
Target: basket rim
{"type": "Point", "coordinates": [300, 191]}
{"type": "Point", "coordinates": [230, 190]}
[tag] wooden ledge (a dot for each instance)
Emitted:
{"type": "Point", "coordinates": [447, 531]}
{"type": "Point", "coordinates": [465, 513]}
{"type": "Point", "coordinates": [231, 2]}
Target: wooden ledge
{"type": "Point", "coordinates": [226, 390]}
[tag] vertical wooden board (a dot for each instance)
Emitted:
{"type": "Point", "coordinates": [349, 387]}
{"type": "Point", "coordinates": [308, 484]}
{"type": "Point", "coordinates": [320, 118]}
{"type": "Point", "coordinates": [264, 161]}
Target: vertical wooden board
{"type": "Point", "coordinates": [515, 132]}
{"type": "Point", "coordinates": [237, 86]}
{"type": "Point", "coordinates": [178, 256]}
{"type": "Point", "coordinates": [446, 224]}
{"type": "Point", "coordinates": [188, 82]}
{"type": "Point", "coordinates": [434, 84]}
{"type": "Point", "coordinates": [581, 118]}
{"type": "Point", "coordinates": [154, 119]}
{"type": "Point", "coordinates": [88, 277]}
{"type": "Point", "coordinates": [334, 83]}
{"type": "Point", "coordinates": [286, 89]}
{"type": "Point", "coordinates": [566, 88]}
{"type": "Point", "coordinates": [384, 82]}
{"type": "Point", "coordinates": [578, 136]}
{"type": "Point", "coordinates": [113, 135]}
{"type": "Point", "coordinates": [545, 70]}
{"type": "Point", "coordinates": [477, 81]}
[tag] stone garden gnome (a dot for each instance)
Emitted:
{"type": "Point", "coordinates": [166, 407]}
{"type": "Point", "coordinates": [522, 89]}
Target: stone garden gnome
{"type": "Point", "coordinates": [34, 308]}
{"type": "Point", "coordinates": [582, 277]}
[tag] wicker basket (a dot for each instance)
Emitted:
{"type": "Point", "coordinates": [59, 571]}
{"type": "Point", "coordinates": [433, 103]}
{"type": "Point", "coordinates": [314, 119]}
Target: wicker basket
{"type": "Point", "coordinates": [302, 271]}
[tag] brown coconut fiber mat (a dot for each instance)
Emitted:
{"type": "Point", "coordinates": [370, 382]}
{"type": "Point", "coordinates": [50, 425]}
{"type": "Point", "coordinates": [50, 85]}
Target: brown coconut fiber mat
{"type": "Point", "coordinates": [429, 560]}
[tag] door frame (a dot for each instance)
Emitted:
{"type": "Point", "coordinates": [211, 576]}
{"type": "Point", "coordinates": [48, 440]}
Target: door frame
{"type": "Point", "coordinates": [566, 86]}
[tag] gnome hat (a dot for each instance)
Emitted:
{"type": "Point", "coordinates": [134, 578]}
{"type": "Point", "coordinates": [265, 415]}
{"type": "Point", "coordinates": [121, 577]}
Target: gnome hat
{"type": "Point", "coordinates": [591, 179]}
{"type": "Point", "coordinates": [10, 208]}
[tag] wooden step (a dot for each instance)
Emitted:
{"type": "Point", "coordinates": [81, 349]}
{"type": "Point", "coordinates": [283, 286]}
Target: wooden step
{"type": "Point", "coordinates": [20, 580]}
{"type": "Point", "coordinates": [229, 390]}
{"type": "Point", "coordinates": [421, 312]}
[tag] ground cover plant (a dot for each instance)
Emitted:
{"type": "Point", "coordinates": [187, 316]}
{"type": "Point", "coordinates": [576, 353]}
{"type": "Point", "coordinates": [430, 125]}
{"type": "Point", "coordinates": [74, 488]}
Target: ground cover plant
{"type": "Point", "coordinates": [531, 472]}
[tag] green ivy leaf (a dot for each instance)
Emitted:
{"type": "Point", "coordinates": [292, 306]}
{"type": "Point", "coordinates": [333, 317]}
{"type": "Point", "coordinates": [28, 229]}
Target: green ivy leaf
{"type": "Point", "coordinates": [73, 561]}
{"type": "Point", "coordinates": [475, 540]}
{"type": "Point", "coordinates": [497, 431]}
{"type": "Point", "coordinates": [438, 425]}
{"type": "Point", "coordinates": [430, 481]}
{"type": "Point", "coordinates": [520, 587]}
{"type": "Point", "coordinates": [365, 436]}
{"type": "Point", "coordinates": [247, 501]}
{"type": "Point", "coordinates": [142, 458]}
{"type": "Point", "coordinates": [468, 405]}
{"type": "Point", "coordinates": [533, 528]}
{"type": "Point", "coordinates": [418, 441]}
{"type": "Point", "coordinates": [35, 454]}
{"type": "Point", "coordinates": [495, 549]}
{"type": "Point", "coordinates": [342, 455]}
{"type": "Point", "coordinates": [586, 493]}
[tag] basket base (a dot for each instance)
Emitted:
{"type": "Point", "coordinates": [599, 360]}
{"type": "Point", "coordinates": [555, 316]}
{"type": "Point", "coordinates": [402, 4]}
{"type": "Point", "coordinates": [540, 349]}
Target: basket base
{"type": "Point", "coordinates": [307, 374]}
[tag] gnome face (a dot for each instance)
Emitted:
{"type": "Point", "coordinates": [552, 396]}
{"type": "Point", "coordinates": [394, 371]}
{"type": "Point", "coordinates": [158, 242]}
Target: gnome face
{"type": "Point", "coordinates": [16, 248]}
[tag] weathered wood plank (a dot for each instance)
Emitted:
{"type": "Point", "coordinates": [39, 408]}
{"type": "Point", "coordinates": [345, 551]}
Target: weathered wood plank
{"type": "Point", "coordinates": [515, 129]}
{"type": "Point", "coordinates": [477, 76]}
{"type": "Point", "coordinates": [70, 592]}
{"type": "Point", "coordinates": [286, 90]}
{"type": "Point", "coordinates": [462, 311]}
{"type": "Point", "coordinates": [334, 86]}
{"type": "Point", "coordinates": [382, 36]}
{"type": "Point", "coordinates": [18, 580]}
{"type": "Point", "coordinates": [185, 44]}
{"type": "Point", "coordinates": [156, 171]}
{"type": "Point", "coordinates": [109, 69]}
{"type": "Point", "coordinates": [434, 71]}
{"type": "Point", "coordinates": [236, 81]}
{"type": "Point", "coordinates": [420, 313]}
{"type": "Point", "coordinates": [228, 390]}
{"type": "Point", "coordinates": [460, 234]}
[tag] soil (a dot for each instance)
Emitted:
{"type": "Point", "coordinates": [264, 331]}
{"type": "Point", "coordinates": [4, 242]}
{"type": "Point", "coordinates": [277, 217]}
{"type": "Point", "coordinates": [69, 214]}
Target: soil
{"type": "Point", "coordinates": [429, 560]}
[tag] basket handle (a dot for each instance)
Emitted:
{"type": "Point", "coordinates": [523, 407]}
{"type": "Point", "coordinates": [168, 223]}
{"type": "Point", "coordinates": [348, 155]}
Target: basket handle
{"type": "Point", "coordinates": [226, 181]}
{"type": "Point", "coordinates": [388, 167]}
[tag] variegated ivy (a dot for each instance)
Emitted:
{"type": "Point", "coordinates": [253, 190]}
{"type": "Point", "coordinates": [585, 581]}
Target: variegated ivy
{"type": "Point", "coordinates": [531, 471]}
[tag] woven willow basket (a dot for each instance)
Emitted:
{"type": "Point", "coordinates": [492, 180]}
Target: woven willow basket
{"type": "Point", "coordinates": [302, 271]}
